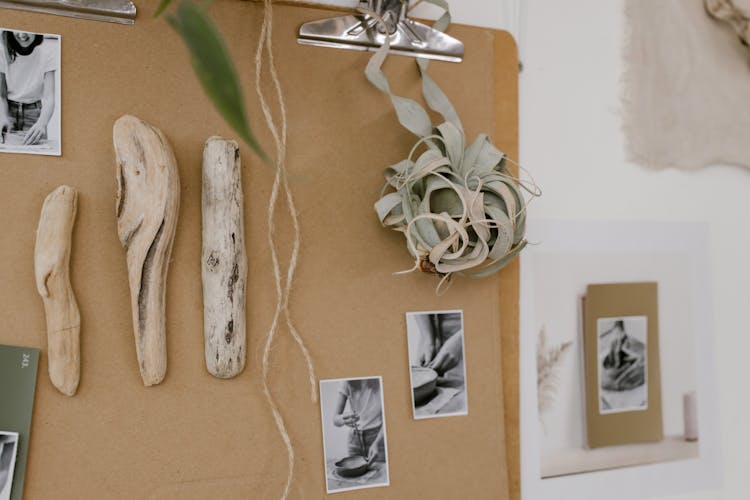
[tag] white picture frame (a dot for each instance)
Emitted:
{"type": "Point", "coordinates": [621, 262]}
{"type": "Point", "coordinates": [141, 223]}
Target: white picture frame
{"type": "Point", "coordinates": [689, 242]}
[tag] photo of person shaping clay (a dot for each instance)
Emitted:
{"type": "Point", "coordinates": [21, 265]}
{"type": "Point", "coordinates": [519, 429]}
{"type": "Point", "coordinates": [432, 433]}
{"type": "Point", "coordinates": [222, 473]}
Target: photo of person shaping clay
{"type": "Point", "coordinates": [29, 92]}
{"type": "Point", "coordinates": [622, 364]}
{"type": "Point", "coordinates": [436, 360]}
{"type": "Point", "coordinates": [354, 433]}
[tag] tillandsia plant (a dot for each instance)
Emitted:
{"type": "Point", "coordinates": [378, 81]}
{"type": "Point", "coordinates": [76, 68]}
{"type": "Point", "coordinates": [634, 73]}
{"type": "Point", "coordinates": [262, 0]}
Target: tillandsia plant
{"type": "Point", "coordinates": [458, 205]}
{"type": "Point", "coordinates": [213, 65]}
{"type": "Point", "coordinates": [460, 208]}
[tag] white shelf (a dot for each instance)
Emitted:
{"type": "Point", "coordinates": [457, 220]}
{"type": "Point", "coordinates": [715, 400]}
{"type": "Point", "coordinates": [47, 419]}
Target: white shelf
{"type": "Point", "coordinates": [576, 461]}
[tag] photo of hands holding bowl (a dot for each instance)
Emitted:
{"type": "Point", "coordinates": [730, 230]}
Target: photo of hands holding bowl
{"type": "Point", "coordinates": [436, 359]}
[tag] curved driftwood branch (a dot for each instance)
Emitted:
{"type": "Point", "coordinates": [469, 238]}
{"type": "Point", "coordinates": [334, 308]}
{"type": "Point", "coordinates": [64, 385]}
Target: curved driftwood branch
{"type": "Point", "coordinates": [148, 202]}
{"type": "Point", "coordinates": [224, 259]}
{"type": "Point", "coordinates": [52, 272]}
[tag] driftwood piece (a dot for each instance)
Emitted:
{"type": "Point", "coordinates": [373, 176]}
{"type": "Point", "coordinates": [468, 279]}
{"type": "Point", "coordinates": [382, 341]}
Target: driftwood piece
{"type": "Point", "coordinates": [224, 259]}
{"type": "Point", "coordinates": [52, 272]}
{"type": "Point", "coordinates": [148, 202]}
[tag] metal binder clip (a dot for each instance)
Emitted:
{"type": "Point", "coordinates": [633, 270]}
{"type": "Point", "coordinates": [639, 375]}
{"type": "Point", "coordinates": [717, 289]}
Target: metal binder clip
{"type": "Point", "coordinates": [112, 11]}
{"type": "Point", "coordinates": [364, 32]}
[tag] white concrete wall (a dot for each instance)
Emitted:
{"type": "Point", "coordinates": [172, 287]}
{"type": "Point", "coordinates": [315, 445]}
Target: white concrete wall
{"type": "Point", "coordinates": [500, 14]}
{"type": "Point", "coordinates": [572, 141]}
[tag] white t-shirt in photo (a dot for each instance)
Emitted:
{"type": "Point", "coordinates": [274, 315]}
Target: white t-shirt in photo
{"type": "Point", "coordinates": [24, 75]}
{"type": "Point", "coordinates": [364, 399]}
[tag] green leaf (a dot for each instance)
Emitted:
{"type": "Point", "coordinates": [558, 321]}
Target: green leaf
{"type": "Point", "coordinates": [162, 7]}
{"type": "Point", "coordinates": [214, 67]}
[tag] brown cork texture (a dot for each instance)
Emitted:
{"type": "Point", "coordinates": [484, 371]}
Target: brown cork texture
{"type": "Point", "coordinates": [194, 435]}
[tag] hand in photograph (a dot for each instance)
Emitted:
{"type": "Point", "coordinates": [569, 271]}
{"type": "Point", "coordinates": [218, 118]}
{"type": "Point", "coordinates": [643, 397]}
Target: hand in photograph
{"type": "Point", "coordinates": [624, 363]}
{"type": "Point", "coordinates": [436, 360]}
{"type": "Point", "coordinates": [435, 330]}
{"type": "Point", "coordinates": [350, 419]}
{"type": "Point", "coordinates": [376, 446]}
{"type": "Point", "coordinates": [449, 355]}
{"type": "Point", "coordinates": [622, 353]}
{"type": "Point", "coordinates": [36, 133]}
{"type": "Point", "coordinates": [364, 419]}
{"type": "Point", "coordinates": [429, 339]}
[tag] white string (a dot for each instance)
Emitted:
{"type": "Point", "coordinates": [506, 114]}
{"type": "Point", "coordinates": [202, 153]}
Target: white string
{"type": "Point", "coordinates": [280, 182]}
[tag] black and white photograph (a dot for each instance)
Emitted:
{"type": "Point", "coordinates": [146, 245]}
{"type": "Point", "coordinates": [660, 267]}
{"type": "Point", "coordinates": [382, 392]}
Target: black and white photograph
{"type": "Point", "coordinates": [354, 435]}
{"type": "Point", "coordinates": [8, 450]}
{"type": "Point", "coordinates": [29, 93]}
{"type": "Point", "coordinates": [437, 363]}
{"type": "Point", "coordinates": [622, 350]}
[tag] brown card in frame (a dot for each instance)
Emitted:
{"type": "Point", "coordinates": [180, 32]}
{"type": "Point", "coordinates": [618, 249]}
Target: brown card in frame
{"type": "Point", "coordinates": [194, 435]}
{"type": "Point", "coordinates": [621, 349]}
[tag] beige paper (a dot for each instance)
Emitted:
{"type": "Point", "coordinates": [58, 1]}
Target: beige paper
{"type": "Point", "coordinates": [685, 74]}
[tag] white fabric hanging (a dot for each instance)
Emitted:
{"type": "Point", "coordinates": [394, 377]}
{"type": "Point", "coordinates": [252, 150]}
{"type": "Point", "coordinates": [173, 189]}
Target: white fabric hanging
{"type": "Point", "coordinates": [687, 86]}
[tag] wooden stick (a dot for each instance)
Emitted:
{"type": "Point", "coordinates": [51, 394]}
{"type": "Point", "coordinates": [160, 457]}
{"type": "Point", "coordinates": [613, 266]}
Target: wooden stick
{"type": "Point", "coordinates": [224, 259]}
{"type": "Point", "coordinates": [148, 202]}
{"type": "Point", "coordinates": [52, 272]}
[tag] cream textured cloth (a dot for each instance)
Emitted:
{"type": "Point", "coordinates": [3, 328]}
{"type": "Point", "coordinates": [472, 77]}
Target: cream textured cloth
{"type": "Point", "coordinates": [687, 86]}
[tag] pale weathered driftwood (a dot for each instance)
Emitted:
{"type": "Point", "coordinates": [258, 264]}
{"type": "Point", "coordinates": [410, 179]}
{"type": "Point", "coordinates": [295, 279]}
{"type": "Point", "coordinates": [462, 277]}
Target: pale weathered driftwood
{"type": "Point", "coordinates": [148, 201]}
{"type": "Point", "coordinates": [52, 272]}
{"type": "Point", "coordinates": [224, 259]}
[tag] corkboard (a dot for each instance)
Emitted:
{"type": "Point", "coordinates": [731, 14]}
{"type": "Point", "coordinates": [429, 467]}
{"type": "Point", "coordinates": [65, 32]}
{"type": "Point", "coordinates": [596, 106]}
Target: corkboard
{"type": "Point", "coordinates": [194, 436]}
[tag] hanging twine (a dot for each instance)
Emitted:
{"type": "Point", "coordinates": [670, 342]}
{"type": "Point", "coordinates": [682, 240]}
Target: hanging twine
{"type": "Point", "coordinates": [459, 207]}
{"type": "Point", "coordinates": [280, 185]}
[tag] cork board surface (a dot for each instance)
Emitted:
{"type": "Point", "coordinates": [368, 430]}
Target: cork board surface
{"type": "Point", "coordinates": [194, 436]}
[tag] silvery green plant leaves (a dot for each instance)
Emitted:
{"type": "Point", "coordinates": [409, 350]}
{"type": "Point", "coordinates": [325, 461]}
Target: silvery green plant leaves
{"type": "Point", "coordinates": [458, 205]}
{"type": "Point", "coordinates": [213, 66]}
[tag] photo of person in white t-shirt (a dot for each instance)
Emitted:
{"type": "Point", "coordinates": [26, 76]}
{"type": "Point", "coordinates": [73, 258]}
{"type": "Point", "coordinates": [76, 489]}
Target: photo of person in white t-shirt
{"type": "Point", "coordinates": [28, 66]}
{"type": "Point", "coordinates": [354, 437]}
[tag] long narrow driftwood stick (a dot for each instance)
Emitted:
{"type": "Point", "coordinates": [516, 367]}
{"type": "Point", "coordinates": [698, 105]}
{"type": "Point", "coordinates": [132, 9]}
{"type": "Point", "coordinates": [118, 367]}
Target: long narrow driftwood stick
{"type": "Point", "coordinates": [148, 202]}
{"type": "Point", "coordinates": [52, 272]}
{"type": "Point", "coordinates": [224, 259]}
